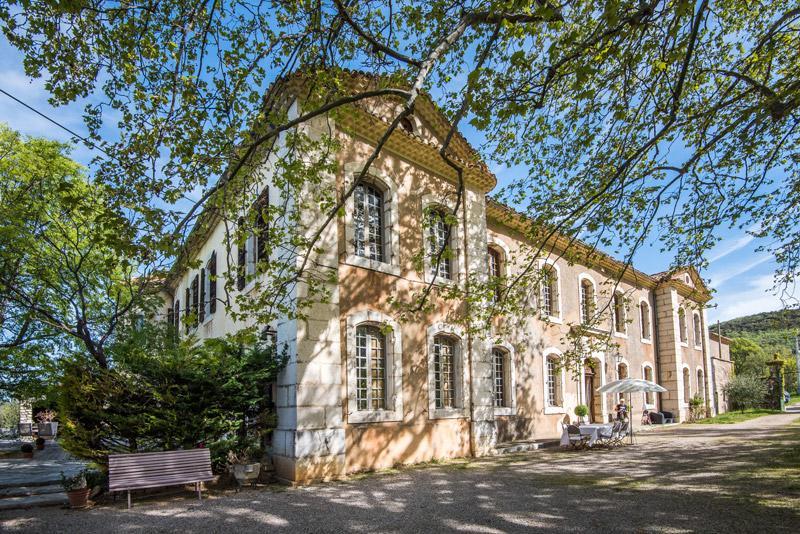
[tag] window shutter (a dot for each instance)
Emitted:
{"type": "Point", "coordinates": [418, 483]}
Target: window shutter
{"type": "Point", "coordinates": [241, 259]}
{"type": "Point", "coordinates": [202, 306]}
{"type": "Point", "coordinates": [195, 300]}
{"type": "Point", "coordinates": [262, 225]}
{"type": "Point", "coordinates": [212, 283]}
{"type": "Point", "coordinates": [187, 302]}
{"type": "Point", "coordinates": [177, 317]}
{"type": "Point", "coordinates": [171, 316]}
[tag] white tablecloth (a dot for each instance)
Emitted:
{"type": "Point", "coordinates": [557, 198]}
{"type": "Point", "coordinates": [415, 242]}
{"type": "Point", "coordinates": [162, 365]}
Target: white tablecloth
{"type": "Point", "coordinates": [593, 430]}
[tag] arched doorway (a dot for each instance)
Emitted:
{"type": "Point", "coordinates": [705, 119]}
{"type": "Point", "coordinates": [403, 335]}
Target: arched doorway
{"type": "Point", "coordinates": [592, 381]}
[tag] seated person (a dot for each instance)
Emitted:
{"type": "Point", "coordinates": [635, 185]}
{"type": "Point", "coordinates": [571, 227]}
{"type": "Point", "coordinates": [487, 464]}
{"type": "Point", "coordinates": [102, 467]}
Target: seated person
{"type": "Point", "coordinates": [621, 410]}
{"type": "Point", "coordinates": [646, 417]}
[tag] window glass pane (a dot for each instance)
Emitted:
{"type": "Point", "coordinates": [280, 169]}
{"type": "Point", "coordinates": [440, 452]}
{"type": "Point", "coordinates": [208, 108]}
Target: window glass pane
{"type": "Point", "coordinates": [370, 368]}
{"type": "Point", "coordinates": [444, 372]}
{"type": "Point", "coordinates": [438, 245]}
{"type": "Point", "coordinates": [368, 222]}
{"type": "Point", "coordinates": [499, 358]}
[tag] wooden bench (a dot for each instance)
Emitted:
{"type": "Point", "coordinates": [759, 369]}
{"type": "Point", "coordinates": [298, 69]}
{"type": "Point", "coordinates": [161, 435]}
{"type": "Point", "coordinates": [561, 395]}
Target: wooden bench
{"type": "Point", "coordinates": [127, 472]}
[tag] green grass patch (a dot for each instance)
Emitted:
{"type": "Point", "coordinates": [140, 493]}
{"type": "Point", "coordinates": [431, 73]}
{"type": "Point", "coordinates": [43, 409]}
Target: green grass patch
{"type": "Point", "coordinates": [736, 417]}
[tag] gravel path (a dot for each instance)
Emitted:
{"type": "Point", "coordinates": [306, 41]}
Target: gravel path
{"type": "Point", "coordinates": [691, 478]}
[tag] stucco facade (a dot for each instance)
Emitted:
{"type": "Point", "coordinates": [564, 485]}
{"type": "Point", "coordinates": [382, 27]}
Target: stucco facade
{"type": "Point", "coordinates": [323, 429]}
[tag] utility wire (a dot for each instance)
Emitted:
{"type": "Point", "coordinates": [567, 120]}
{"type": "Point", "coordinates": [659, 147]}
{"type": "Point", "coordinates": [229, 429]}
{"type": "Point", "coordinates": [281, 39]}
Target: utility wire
{"type": "Point", "coordinates": [88, 142]}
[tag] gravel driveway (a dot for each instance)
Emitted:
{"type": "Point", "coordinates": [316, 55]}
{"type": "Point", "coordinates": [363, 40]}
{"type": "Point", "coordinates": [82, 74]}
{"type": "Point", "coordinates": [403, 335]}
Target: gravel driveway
{"type": "Point", "coordinates": [704, 478]}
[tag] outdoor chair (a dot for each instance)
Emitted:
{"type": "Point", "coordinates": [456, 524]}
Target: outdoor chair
{"type": "Point", "coordinates": [576, 439]}
{"type": "Point", "coordinates": [623, 431]}
{"type": "Point", "coordinates": [610, 441]}
{"type": "Point", "coordinates": [668, 417]}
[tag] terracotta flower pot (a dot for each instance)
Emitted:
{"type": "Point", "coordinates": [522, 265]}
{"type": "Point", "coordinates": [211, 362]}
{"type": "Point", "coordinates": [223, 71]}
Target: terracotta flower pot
{"type": "Point", "coordinates": [78, 498]}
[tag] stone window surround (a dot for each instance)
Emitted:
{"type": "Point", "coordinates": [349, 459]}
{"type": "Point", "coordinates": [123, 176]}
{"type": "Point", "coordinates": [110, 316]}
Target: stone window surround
{"type": "Point", "coordinates": [548, 409]}
{"type": "Point", "coordinates": [581, 278]}
{"type": "Point", "coordinates": [462, 393]}
{"type": "Point", "coordinates": [391, 235]}
{"type": "Point", "coordinates": [554, 265]}
{"type": "Point", "coordinates": [456, 242]}
{"type": "Point", "coordinates": [394, 369]}
{"type": "Point", "coordinates": [624, 333]}
{"type": "Point", "coordinates": [648, 365]}
{"type": "Point", "coordinates": [511, 380]}
{"type": "Point", "coordinates": [686, 387]}
{"type": "Point", "coordinates": [646, 340]}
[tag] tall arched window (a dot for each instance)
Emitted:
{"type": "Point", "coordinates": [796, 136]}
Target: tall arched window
{"type": "Point", "coordinates": [368, 222]}
{"type": "Point", "coordinates": [370, 368]}
{"type": "Point", "coordinates": [444, 371]}
{"type": "Point", "coordinates": [587, 300]}
{"type": "Point", "coordinates": [701, 384]}
{"type": "Point", "coordinates": [439, 246]}
{"type": "Point", "coordinates": [549, 300]}
{"type": "Point", "coordinates": [622, 371]}
{"type": "Point", "coordinates": [687, 389]}
{"type": "Point", "coordinates": [684, 334]}
{"type": "Point", "coordinates": [553, 382]}
{"type": "Point", "coordinates": [698, 330]}
{"type": "Point", "coordinates": [644, 316]}
{"type": "Point", "coordinates": [619, 313]}
{"type": "Point", "coordinates": [495, 269]}
{"type": "Point", "coordinates": [502, 398]}
{"type": "Point", "coordinates": [649, 397]}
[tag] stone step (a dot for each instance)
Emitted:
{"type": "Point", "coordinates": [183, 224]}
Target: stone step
{"type": "Point", "coordinates": [512, 447]}
{"type": "Point", "coordinates": [34, 501]}
{"type": "Point", "coordinates": [22, 491]}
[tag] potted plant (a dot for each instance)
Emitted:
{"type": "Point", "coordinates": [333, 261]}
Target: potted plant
{"type": "Point", "coordinates": [245, 464]}
{"type": "Point", "coordinates": [27, 451]}
{"type": "Point", "coordinates": [39, 444]}
{"type": "Point", "coordinates": [581, 411]}
{"type": "Point", "coordinates": [76, 488]}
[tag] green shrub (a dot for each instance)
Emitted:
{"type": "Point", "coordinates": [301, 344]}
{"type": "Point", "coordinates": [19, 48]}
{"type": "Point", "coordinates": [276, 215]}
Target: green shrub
{"type": "Point", "coordinates": [162, 394]}
{"type": "Point", "coordinates": [745, 391]}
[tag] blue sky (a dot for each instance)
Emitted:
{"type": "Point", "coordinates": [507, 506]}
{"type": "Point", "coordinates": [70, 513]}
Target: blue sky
{"type": "Point", "coordinates": [742, 277]}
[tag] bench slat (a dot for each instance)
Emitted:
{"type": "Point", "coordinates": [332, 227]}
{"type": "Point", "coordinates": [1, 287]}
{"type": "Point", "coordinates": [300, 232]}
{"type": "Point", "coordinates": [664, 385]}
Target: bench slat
{"type": "Point", "coordinates": [156, 469]}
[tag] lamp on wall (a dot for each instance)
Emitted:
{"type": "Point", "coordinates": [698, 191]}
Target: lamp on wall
{"type": "Point", "coordinates": [617, 358]}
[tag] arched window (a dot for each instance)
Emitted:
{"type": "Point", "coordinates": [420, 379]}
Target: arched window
{"type": "Point", "coordinates": [619, 313]}
{"type": "Point", "coordinates": [368, 222]}
{"type": "Point", "coordinates": [684, 335]}
{"type": "Point", "coordinates": [698, 330]}
{"type": "Point", "coordinates": [500, 364]}
{"type": "Point", "coordinates": [553, 382]}
{"type": "Point", "coordinates": [622, 371]}
{"type": "Point", "coordinates": [644, 316]}
{"type": "Point", "coordinates": [701, 384]}
{"type": "Point", "coordinates": [549, 300]}
{"type": "Point", "coordinates": [444, 371]}
{"type": "Point", "coordinates": [587, 300]}
{"type": "Point", "coordinates": [687, 389]}
{"type": "Point", "coordinates": [439, 244]}
{"type": "Point", "coordinates": [649, 397]}
{"type": "Point", "coordinates": [370, 368]}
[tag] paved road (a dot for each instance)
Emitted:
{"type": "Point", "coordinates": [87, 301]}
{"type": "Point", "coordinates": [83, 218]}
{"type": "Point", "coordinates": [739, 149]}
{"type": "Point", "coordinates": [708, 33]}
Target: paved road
{"type": "Point", "coordinates": [692, 478]}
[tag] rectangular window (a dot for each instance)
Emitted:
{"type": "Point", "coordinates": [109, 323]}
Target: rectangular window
{"type": "Point", "coordinates": [499, 378]}
{"type": "Point", "coordinates": [195, 299]}
{"type": "Point", "coordinates": [262, 226]}
{"type": "Point", "coordinates": [211, 283]}
{"type": "Point", "coordinates": [241, 257]}
{"type": "Point", "coordinates": [553, 383]}
{"type": "Point", "coordinates": [368, 222]}
{"type": "Point", "coordinates": [370, 368]}
{"type": "Point", "coordinates": [187, 319]}
{"type": "Point", "coordinates": [439, 245]}
{"type": "Point", "coordinates": [202, 302]}
{"type": "Point", "coordinates": [444, 372]}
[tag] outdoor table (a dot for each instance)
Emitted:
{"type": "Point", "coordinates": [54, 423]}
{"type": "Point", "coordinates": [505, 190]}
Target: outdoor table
{"type": "Point", "coordinates": [593, 430]}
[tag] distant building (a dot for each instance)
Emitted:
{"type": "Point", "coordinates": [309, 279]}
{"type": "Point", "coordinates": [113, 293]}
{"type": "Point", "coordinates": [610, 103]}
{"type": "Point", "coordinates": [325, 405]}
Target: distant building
{"type": "Point", "coordinates": [722, 368]}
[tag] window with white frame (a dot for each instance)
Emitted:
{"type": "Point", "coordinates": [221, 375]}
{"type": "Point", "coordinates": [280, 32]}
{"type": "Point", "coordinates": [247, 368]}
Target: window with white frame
{"type": "Point", "coordinates": [370, 368]}
{"type": "Point", "coordinates": [369, 222]}
{"type": "Point", "coordinates": [495, 270]}
{"type": "Point", "coordinates": [587, 300]}
{"type": "Point", "coordinates": [374, 368]}
{"type": "Point", "coordinates": [644, 316]}
{"type": "Point", "coordinates": [553, 381]}
{"type": "Point", "coordinates": [444, 371]}
{"type": "Point", "coordinates": [502, 399]}
{"type": "Point", "coordinates": [687, 387]}
{"type": "Point", "coordinates": [684, 334]}
{"type": "Point", "coordinates": [649, 397]}
{"type": "Point", "coordinates": [698, 330]}
{"type": "Point", "coordinates": [618, 311]}
{"type": "Point", "coordinates": [439, 244]}
{"type": "Point", "coordinates": [549, 295]}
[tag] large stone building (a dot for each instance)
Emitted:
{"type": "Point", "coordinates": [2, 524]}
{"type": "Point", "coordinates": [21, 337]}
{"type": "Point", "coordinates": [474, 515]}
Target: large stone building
{"type": "Point", "coordinates": [357, 395]}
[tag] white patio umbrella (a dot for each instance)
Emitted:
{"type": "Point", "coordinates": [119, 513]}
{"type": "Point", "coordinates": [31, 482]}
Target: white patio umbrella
{"type": "Point", "coordinates": [631, 385]}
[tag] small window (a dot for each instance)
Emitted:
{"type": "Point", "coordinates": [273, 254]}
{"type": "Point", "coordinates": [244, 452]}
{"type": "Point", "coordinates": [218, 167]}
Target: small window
{"type": "Point", "coordinates": [587, 301]}
{"type": "Point", "coordinates": [407, 124]}
{"type": "Point", "coordinates": [444, 371]}
{"type": "Point", "coordinates": [370, 368]}
{"type": "Point", "coordinates": [549, 300]}
{"type": "Point", "coordinates": [649, 397]}
{"type": "Point", "coordinates": [622, 371]}
{"type": "Point", "coordinates": [644, 312]}
{"type": "Point", "coordinates": [368, 222]}
{"type": "Point", "coordinates": [619, 313]}
{"type": "Point", "coordinates": [501, 396]}
{"type": "Point", "coordinates": [684, 335]}
{"type": "Point", "coordinates": [439, 248]}
{"type": "Point", "coordinates": [553, 382]}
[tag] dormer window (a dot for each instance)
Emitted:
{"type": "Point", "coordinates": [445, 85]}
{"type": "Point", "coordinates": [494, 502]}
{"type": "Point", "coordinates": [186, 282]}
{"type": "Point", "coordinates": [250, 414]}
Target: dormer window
{"type": "Point", "coordinates": [407, 124]}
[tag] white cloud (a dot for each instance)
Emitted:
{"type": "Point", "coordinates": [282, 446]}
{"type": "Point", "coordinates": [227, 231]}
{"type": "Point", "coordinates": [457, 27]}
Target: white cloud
{"type": "Point", "coordinates": [753, 296]}
{"type": "Point", "coordinates": [720, 278]}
